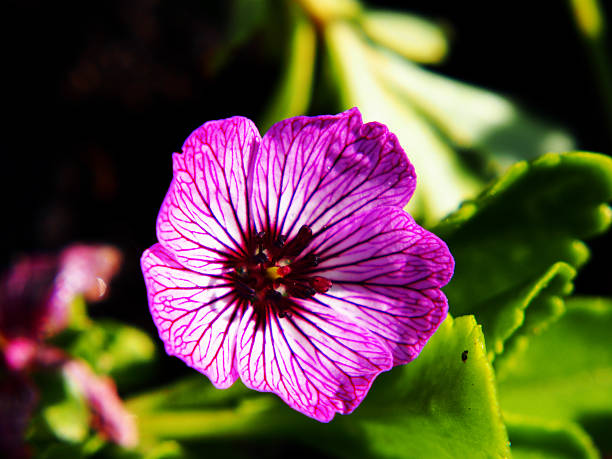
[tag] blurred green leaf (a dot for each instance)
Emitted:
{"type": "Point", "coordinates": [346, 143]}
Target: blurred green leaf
{"type": "Point", "coordinates": [293, 94]}
{"type": "Point", "coordinates": [120, 351]}
{"type": "Point", "coordinates": [411, 36]}
{"type": "Point", "coordinates": [324, 11]}
{"type": "Point", "coordinates": [546, 439]}
{"type": "Point", "coordinates": [61, 451]}
{"type": "Point", "coordinates": [471, 117]}
{"type": "Point", "coordinates": [64, 409]}
{"type": "Point", "coordinates": [245, 18]}
{"type": "Point", "coordinates": [531, 218]}
{"type": "Point", "coordinates": [443, 182]}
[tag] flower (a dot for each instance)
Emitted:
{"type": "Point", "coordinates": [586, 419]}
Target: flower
{"type": "Point", "coordinates": [36, 294]}
{"type": "Point", "coordinates": [37, 291]}
{"type": "Point", "coordinates": [288, 261]}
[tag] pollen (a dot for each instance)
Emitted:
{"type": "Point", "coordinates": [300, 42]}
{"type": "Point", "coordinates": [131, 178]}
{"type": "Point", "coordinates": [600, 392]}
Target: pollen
{"type": "Point", "coordinates": [276, 272]}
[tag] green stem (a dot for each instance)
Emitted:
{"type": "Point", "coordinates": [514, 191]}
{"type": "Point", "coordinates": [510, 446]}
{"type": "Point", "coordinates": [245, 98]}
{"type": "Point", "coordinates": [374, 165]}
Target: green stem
{"type": "Point", "coordinates": [590, 22]}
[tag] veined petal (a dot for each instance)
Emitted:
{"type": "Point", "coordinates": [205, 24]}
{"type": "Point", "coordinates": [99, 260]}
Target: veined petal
{"type": "Point", "coordinates": [206, 211]}
{"type": "Point", "coordinates": [320, 363]}
{"type": "Point", "coordinates": [196, 315]}
{"type": "Point", "coordinates": [386, 273]}
{"type": "Point", "coordinates": [317, 171]}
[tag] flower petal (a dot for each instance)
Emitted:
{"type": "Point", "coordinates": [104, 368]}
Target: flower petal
{"type": "Point", "coordinates": [109, 415]}
{"type": "Point", "coordinates": [206, 211]}
{"type": "Point", "coordinates": [318, 362]}
{"type": "Point", "coordinates": [386, 274]}
{"type": "Point", "coordinates": [196, 315]}
{"type": "Point", "coordinates": [319, 170]}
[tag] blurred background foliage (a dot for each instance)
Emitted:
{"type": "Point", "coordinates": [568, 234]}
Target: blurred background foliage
{"type": "Point", "coordinates": [100, 94]}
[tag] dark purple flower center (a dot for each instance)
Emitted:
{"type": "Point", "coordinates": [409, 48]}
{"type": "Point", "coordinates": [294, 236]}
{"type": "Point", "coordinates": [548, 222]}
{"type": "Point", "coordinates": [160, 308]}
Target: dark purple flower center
{"type": "Point", "coordinates": [276, 270]}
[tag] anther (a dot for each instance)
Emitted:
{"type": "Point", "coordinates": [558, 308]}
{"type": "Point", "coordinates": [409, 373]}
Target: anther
{"type": "Point", "coordinates": [274, 295]}
{"type": "Point", "coordinates": [299, 242]}
{"type": "Point", "coordinates": [320, 284]}
{"type": "Point", "coordinates": [244, 290]}
{"type": "Point", "coordinates": [261, 257]}
{"type": "Point", "coordinates": [280, 241]}
{"type": "Point", "coordinates": [284, 314]}
{"type": "Point", "coordinates": [259, 237]}
{"type": "Point", "coordinates": [299, 290]}
{"type": "Point", "coordinates": [312, 259]}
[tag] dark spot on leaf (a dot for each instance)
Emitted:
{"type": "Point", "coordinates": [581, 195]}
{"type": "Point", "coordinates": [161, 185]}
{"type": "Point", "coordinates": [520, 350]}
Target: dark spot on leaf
{"type": "Point", "coordinates": [464, 356]}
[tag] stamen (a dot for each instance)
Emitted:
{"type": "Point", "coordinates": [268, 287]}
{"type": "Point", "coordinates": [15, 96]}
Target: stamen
{"type": "Point", "coordinates": [280, 241]}
{"type": "Point", "coordinates": [244, 290]}
{"type": "Point", "coordinates": [320, 284]}
{"type": "Point", "coordinates": [298, 289]}
{"type": "Point", "coordinates": [273, 295]}
{"type": "Point", "coordinates": [312, 259]}
{"type": "Point", "coordinates": [259, 258]}
{"type": "Point", "coordinates": [299, 242]}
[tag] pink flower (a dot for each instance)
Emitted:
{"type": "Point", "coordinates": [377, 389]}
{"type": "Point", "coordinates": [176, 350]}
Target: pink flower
{"type": "Point", "coordinates": [288, 261]}
{"type": "Point", "coordinates": [35, 298]}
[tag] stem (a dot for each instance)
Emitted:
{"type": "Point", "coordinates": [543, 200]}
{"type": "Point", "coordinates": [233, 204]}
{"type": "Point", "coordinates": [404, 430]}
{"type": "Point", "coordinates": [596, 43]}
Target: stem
{"type": "Point", "coordinates": [590, 23]}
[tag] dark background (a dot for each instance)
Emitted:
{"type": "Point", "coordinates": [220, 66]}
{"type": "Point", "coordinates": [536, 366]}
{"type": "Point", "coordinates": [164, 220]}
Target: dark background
{"type": "Point", "coordinates": [99, 94]}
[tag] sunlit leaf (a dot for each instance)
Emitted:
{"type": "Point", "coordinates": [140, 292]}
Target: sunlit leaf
{"type": "Point", "coordinates": [471, 117]}
{"type": "Point", "coordinates": [566, 372]}
{"type": "Point", "coordinates": [443, 182]}
{"type": "Point", "coordinates": [293, 94]}
{"type": "Point", "coordinates": [411, 36]}
{"type": "Point", "coordinates": [443, 404]}
{"type": "Point", "coordinates": [523, 310]}
{"type": "Point", "coordinates": [546, 439]}
{"type": "Point", "coordinates": [325, 11]}
{"type": "Point", "coordinates": [528, 220]}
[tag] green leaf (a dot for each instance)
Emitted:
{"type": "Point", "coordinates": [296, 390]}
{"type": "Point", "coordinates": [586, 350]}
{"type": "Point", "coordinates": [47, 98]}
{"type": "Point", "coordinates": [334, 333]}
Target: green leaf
{"type": "Point", "coordinates": [546, 439]}
{"type": "Point", "coordinates": [293, 94]}
{"type": "Point", "coordinates": [506, 240]}
{"type": "Point", "coordinates": [64, 409]}
{"type": "Point", "coordinates": [566, 371]}
{"type": "Point", "coordinates": [123, 352]}
{"type": "Point", "coordinates": [411, 36]}
{"type": "Point", "coordinates": [443, 181]}
{"type": "Point", "coordinates": [521, 311]}
{"type": "Point", "coordinates": [441, 405]}
{"type": "Point", "coordinates": [471, 117]}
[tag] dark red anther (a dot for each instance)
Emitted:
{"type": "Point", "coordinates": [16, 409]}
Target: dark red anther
{"type": "Point", "coordinates": [312, 259]}
{"type": "Point", "coordinates": [274, 295]}
{"type": "Point", "coordinates": [320, 284]}
{"type": "Point", "coordinates": [298, 289]}
{"type": "Point", "coordinates": [283, 270]}
{"type": "Point", "coordinates": [244, 291]}
{"type": "Point", "coordinates": [259, 237]}
{"type": "Point", "coordinates": [260, 258]}
{"type": "Point", "coordinates": [299, 242]}
{"type": "Point", "coordinates": [280, 241]}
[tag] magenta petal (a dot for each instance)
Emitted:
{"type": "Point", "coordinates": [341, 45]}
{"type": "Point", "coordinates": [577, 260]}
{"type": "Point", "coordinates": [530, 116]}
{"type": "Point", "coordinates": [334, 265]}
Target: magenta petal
{"type": "Point", "coordinates": [386, 273]}
{"type": "Point", "coordinates": [318, 170]}
{"type": "Point", "coordinates": [317, 361]}
{"type": "Point", "coordinates": [206, 209]}
{"type": "Point", "coordinates": [195, 314]}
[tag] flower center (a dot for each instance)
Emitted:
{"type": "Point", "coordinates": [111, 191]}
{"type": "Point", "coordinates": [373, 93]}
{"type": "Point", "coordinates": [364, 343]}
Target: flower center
{"type": "Point", "coordinates": [276, 271]}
